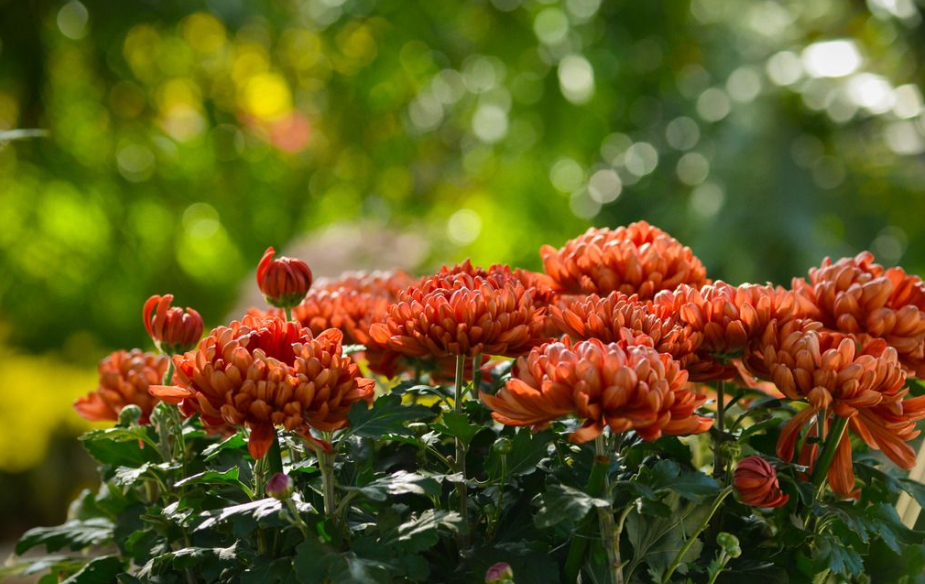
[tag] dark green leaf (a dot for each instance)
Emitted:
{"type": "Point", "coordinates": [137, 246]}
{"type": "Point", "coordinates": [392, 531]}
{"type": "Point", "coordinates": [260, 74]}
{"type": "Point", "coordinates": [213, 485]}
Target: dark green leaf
{"type": "Point", "coordinates": [263, 513]}
{"type": "Point", "coordinates": [211, 477]}
{"type": "Point", "coordinates": [528, 449]}
{"type": "Point", "coordinates": [74, 534]}
{"type": "Point", "coordinates": [422, 532]}
{"type": "Point", "coordinates": [694, 485]}
{"type": "Point", "coordinates": [235, 442]}
{"type": "Point", "coordinates": [387, 416]}
{"type": "Point", "coordinates": [398, 483]}
{"type": "Point", "coordinates": [832, 554]}
{"type": "Point", "coordinates": [99, 571]}
{"type": "Point", "coordinates": [564, 503]}
{"type": "Point", "coordinates": [457, 426]}
{"type": "Point", "coordinates": [312, 562]}
{"type": "Point", "coordinates": [121, 446]}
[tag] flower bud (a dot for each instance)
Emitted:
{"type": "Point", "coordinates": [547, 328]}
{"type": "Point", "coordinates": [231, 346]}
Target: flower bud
{"type": "Point", "coordinates": [129, 415]}
{"type": "Point", "coordinates": [284, 281]}
{"type": "Point", "coordinates": [174, 330]}
{"type": "Point", "coordinates": [418, 428]}
{"type": "Point", "coordinates": [729, 544]}
{"type": "Point", "coordinates": [500, 573]}
{"type": "Point", "coordinates": [279, 486]}
{"type": "Point", "coordinates": [756, 483]}
{"type": "Point", "coordinates": [503, 446]}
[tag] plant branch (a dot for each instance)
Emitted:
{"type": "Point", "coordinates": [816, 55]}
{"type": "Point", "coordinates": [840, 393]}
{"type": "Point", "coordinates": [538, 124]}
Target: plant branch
{"type": "Point", "coordinates": [690, 541]}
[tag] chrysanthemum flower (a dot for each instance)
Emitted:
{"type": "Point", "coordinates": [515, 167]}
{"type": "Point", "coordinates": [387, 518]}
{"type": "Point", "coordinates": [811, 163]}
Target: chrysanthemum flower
{"type": "Point", "coordinates": [174, 330]}
{"type": "Point", "coordinates": [386, 284]}
{"type": "Point", "coordinates": [727, 317]}
{"type": "Point", "coordinates": [262, 373]}
{"type": "Point", "coordinates": [858, 296]}
{"type": "Point", "coordinates": [620, 317]}
{"type": "Point", "coordinates": [441, 317]}
{"type": "Point", "coordinates": [284, 281]}
{"type": "Point", "coordinates": [637, 259]}
{"type": "Point", "coordinates": [124, 379]}
{"type": "Point", "coordinates": [836, 373]}
{"type": "Point", "coordinates": [756, 483]}
{"type": "Point", "coordinates": [618, 385]}
{"type": "Point", "coordinates": [544, 289]}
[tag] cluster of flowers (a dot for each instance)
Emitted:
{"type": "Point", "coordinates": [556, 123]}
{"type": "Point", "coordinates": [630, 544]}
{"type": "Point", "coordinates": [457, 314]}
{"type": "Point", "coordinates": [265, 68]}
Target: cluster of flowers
{"type": "Point", "coordinates": [622, 331]}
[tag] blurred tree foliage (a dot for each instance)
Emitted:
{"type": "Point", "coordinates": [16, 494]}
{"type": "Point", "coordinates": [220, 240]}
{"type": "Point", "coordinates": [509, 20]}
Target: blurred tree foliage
{"type": "Point", "coordinates": [184, 137]}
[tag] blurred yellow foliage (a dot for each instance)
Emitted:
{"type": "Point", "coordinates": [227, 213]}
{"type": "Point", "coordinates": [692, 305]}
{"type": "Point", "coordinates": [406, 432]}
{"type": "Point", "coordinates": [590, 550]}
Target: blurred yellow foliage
{"type": "Point", "coordinates": [36, 405]}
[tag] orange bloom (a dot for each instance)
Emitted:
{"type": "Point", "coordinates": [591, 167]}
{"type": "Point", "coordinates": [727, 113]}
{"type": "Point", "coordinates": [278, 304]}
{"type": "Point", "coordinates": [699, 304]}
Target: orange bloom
{"type": "Point", "coordinates": [284, 281]}
{"type": "Point", "coordinates": [173, 330]}
{"type": "Point", "coordinates": [124, 379]}
{"type": "Point", "coordinates": [858, 296]}
{"type": "Point", "coordinates": [618, 385]}
{"type": "Point", "coordinates": [836, 373]}
{"type": "Point", "coordinates": [262, 373]}
{"type": "Point", "coordinates": [756, 483]}
{"type": "Point", "coordinates": [637, 259]}
{"type": "Point", "coordinates": [462, 315]}
{"type": "Point", "coordinates": [545, 289]}
{"type": "Point", "coordinates": [728, 317]}
{"type": "Point", "coordinates": [620, 317]}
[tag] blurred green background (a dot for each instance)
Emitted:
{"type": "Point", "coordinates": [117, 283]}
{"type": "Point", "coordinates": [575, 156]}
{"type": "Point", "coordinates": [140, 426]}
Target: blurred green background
{"type": "Point", "coordinates": [185, 137]}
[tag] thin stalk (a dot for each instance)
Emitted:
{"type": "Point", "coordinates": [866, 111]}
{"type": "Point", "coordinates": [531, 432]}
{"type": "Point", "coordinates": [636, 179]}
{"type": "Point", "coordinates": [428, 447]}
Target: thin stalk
{"type": "Point", "coordinates": [693, 537]}
{"type": "Point", "coordinates": [723, 558]}
{"type": "Point", "coordinates": [605, 518]}
{"type": "Point", "coordinates": [476, 372]}
{"type": "Point", "coordinates": [579, 546]}
{"type": "Point", "coordinates": [326, 462]}
{"type": "Point", "coordinates": [718, 462]}
{"type": "Point", "coordinates": [296, 518]}
{"type": "Point", "coordinates": [828, 452]}
{"type": "Point", "coordinates": [461, 488]}
{"type": "Point", "coordinates": [288, 312]}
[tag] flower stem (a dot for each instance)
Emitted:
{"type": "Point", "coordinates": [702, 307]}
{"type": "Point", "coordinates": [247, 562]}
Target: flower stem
{"type": "Point", "coordinates": [605, 517]}
{"type": "Point", "coordinates": [326, 462]}
{"type": "Point", "coordinates": [579, 545]}
{"type": "Point", "coordinates": [836, 433]}
{"type": "Point", "coordinates": [461, 488]}
{"type": "Point", "coordinates": [288, 312]}
{"type": "Point", "coordinates": [718, 462]}
{"type": "Point", "coordinates": [693, 537]}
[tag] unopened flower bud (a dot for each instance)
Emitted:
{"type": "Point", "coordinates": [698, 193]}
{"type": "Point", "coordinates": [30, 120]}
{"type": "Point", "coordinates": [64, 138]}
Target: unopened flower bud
{"type": "Point", "coordinates": [129, 415]}
{"type": "Point", "coordinates": [503, 446]}
{"type": "Point", "coordinates": [729, 544]}
{"type": "Point", "coordinates": [756, 483]}
{"type": "Point", "coordinates": [284, 281]}
{"type": "Point", "coordinates": [174, 330]}
{"type": "Point", "coordinates": [500, 573]}
{"type": "Point", "coordinates": [279, 486]}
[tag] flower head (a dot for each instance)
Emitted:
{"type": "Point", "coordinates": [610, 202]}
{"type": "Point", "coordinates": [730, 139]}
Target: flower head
{"type": "Point", "coordinates": [857, 296]}
{"type": "Point", "coordinates": [500, 573]}
{"type": "Point", "coordinates": [266, 372]}
{"type": "Point", "coordinates": [756, 483]}
{"type": "Point", "coordinates": [124, 380]}
{"type": "Point", "coordinates": [174, 330]}
{"type": "Point", "coordinates": [462, 315]}
{"type": "Point", "coordinates": [620, 317]}
{"type": "Point", "coordinates": [279, 486]}
{"type": "Point", "coordinates": [618, 385]}
{"type": "Point", "coordinates": [284, 281]}
{"type": "Point", "coordinates": [637, 259]}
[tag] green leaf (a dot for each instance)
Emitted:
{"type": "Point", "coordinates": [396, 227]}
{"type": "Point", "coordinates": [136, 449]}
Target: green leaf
{"type": "Point", "coordinates": [398, 483]}
{"type": "Point", "coordinates": [657, 540]}
{"type": "Point", "coordinates": [235, 442]}
{"type": "Point", "coordinates": [387, 416]}
{"type": "Point", "coordinates": [75, 534]}
{"type": "Point", "coordinates": [832, 554]}
{"type": "Point", "coordinates": [563, 503]}
{"type": "Point", "coordinates": [127, 476]}
{"type": "Point", "coordinates": [348, 568]}
{"type": "Point", "coordinates": [99, 571]}
{"type": "Point", "coordinates": [34, 565]}
{"type": "Point", "coordinates": [312, 561]}
{"type": "Point", "coordinates": [207, 562]}
{"type": "Point", "coordinates": [457, 426]}
{"type": "Point", "coordinates": [527, 450]}
{"type": "Point", "coordinates": [246, 516]}
{"type": "Point", "coordinates": [423, 531]}
{"type": "Point", "coordinates": [129, 447]}
{"type": "Point", "coordinates": [212, 477]}
{"type": "Point", "coordinates": [694, 486]}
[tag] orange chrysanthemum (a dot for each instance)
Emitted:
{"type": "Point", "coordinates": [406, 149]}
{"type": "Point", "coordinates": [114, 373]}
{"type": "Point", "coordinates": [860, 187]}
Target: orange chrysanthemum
{"type": "Point", "coordinates": [462, 315]}
{"type": "Point", "coordinates": [124, 379]}
{"type": "Point", "coordinates": [858, 296]}
{"type": "Point", "coordinates": [263, 373]}
{"type": "Point", "coordinates": [545, 290]}
{"type": "Point", "coordinates": [620, 317]}
{"type": "Point", "coordinates": [637, 259]}
{"type": "Point", "coordinates": [728, 317]}
{"type": "Point", "coordinates": [835, 373]}
{"type": "Point", "coordinates": [617, 385]}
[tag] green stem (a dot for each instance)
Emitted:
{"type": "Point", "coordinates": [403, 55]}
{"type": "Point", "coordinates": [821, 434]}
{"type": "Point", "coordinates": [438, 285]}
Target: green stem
{"type": "Point", "coordinates": [275, 455]}
{"type": "Point", "coordinates": [296, 518]}
{"type": "Point", "coordinates": [723, 559]}
{"type": "Point", "coordinates": [326, 462]}
{"type": "Point", "coordinates": [288, 312]}
{"type": "Point", "coordinates": [693, 537]}
{"type": "Point", "coordinates": [582, 537]}
{"type": "Point", "coordinates": [718, 462]}
{"type": "Point", "coordinates": [605, 518]}
{"type": "Point", "coordinates": [476, 372]}
{"type": "Point", "coordinates": [828, 452]}
{"type": "Point", "coordinates": [461, 488]}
